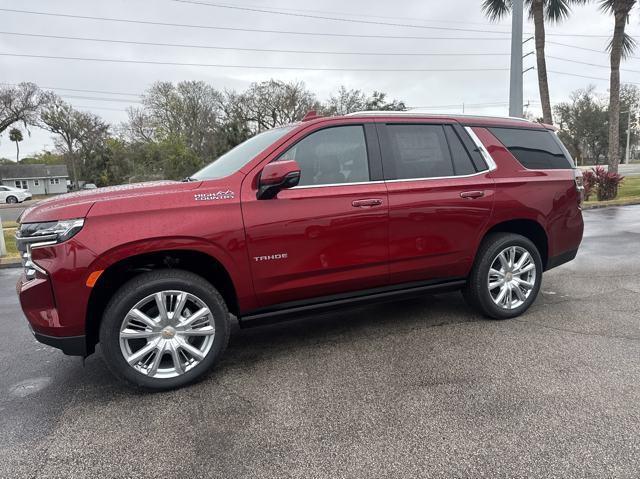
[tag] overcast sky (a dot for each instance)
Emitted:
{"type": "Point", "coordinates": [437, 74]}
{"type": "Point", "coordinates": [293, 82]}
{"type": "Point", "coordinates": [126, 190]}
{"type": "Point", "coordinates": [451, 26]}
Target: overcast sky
{"type": "Point", "coordinates": [438, 91]}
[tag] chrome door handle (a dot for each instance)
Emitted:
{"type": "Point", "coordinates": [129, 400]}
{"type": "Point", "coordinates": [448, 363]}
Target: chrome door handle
{"type": "Point", "coordinates": [366, 203]}
{"type": "Point", "coordinates": [472, 194]}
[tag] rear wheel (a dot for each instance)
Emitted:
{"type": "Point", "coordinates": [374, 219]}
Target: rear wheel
{"type": "Point", "coordinates": [164, 329]}
{"type": "Point", "coordinates": [506, 277]}
{"type": "Point", "coordinates": [12, 200]}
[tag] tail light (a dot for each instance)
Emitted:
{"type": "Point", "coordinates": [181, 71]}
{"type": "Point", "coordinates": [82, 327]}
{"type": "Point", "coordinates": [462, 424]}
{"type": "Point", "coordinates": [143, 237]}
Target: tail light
{"type": "Point", "coordinates": [577, 175]}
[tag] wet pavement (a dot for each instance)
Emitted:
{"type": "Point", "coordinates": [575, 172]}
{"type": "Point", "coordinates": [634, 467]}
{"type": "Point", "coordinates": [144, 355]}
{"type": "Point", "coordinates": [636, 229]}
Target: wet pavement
{"type": "Point", "coordinates": [418, 388]}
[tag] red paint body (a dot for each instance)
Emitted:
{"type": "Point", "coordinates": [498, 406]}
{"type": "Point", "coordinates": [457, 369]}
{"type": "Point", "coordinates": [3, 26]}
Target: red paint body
{"type": "Point", "coordinates": [334, 239]}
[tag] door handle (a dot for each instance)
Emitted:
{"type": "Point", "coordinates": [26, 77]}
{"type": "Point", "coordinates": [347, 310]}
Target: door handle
{"type": "Point", "coordinates": [472, 194]}
{"type": "Point", "coordinates": [366, 203]}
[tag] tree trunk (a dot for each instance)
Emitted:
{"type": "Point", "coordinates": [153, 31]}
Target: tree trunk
{"type": "Point", "coordinates": [614, 92]}
{"type": "Point", "coordinates": [537, 10]}
{"type": "Point", "coordinates": [17, 152]}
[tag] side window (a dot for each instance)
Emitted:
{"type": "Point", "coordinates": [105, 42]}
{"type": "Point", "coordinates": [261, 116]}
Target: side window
{"type": "Point", "coordinates": [462, 163]}
{"type": "Point", "coordinates": [331, 156]}
{"type": "Point", "coordinates": [3, 188]}
{"type": "Point", "coordinates": [420, 151]}
{"type": "Point", "coordinates": [534, 149]}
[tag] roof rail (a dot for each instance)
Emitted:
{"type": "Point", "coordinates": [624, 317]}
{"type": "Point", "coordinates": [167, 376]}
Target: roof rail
{"type": "Point", "coordinates": [435, 115]}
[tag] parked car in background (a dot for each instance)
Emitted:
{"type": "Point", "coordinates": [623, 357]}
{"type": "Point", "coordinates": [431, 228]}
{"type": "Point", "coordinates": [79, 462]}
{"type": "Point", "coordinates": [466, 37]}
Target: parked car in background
{"type": "Point", "coordinates": [9, 194]}
{"type": "Point", "coordinates": [321, 214]}
{"type": "Point", "coordinates": [89, 186]}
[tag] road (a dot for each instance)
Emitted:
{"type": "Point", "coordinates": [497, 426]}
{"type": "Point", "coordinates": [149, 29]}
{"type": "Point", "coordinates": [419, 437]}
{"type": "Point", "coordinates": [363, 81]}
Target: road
{"type": "Point", "coordinates": [423, 388]}
{"type": "Point", "coordinates": [632, 169]}
{"type": "Point", "coordinates": [11, 212]}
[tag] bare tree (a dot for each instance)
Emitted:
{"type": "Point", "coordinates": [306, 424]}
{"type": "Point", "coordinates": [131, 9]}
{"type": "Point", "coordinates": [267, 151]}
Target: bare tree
{"type": "Point", "coordinates": [76, 131]}
{"type": "Point", "coordinates": [275, 103]}
{"type": "Point", "coordinates": [349, 101]}
{"type": "Point", "coordinates": [21, 103]}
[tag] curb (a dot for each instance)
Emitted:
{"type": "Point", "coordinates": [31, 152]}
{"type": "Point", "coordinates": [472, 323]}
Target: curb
{"type": "Point", "coordinates": [10, 263]}
{"type": "Point", "coordinates": [608, 205]}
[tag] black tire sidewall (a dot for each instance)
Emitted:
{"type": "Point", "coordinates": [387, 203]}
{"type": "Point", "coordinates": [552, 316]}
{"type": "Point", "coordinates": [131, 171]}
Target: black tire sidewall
{"type": "Point", "coordinates": [481, 276]}
{"type": "Point", "coordinates": [14, 202]}
{"type": "Point", "coordinates": [142, 286]}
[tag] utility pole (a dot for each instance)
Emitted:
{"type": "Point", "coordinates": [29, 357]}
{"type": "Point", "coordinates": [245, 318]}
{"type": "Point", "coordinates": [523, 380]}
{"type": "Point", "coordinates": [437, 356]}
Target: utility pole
{"type": "Point", "coordinates": [515, 85]}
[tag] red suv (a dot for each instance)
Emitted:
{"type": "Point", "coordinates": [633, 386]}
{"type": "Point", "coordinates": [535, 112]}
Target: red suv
{"type": "Point", "coordinates": [320, 214]}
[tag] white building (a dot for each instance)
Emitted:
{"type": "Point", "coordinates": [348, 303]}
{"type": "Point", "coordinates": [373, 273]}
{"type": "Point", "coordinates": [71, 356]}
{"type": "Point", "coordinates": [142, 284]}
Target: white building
{"type": "Point", "coordinates": [38, 179]}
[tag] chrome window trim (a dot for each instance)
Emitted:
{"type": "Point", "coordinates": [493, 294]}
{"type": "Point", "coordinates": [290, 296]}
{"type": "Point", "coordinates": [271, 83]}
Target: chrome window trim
{"type": "Point", "coordinates": [302, 187]}
{"type": "Point", "coordinates": [488, 159]}
{"type": "Point", "coordinates": [440, 177]}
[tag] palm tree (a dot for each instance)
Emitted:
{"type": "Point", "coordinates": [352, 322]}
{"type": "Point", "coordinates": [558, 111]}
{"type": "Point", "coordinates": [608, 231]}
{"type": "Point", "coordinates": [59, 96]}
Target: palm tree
{"type": "Point", "coordinates": [620, 46]}
{"type": "Point", "coordinates": [16, 135]}
{"type": "Point", "coordinates": [539, 10]}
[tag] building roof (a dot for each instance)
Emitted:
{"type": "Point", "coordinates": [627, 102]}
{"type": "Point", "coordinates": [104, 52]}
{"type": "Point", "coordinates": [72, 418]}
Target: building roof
{"type": "Point", "coordinates": [10, 172]}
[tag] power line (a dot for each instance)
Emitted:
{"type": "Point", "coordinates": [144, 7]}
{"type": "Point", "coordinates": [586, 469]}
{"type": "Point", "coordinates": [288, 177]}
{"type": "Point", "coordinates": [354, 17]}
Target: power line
{"type": "Point", "coordinates": [335, 19]}
{"type": "Point", "coordinates": [263, 50]}
{"type": "Point", "coordinates": [254, 67]}
{"type": "Point", "coordinates": [366, 22]}
{"type": "Point", "coordinates": [587, 77]}
{"type": "Point", "coordinates": [81, 90]}
{"type": "Point", "coordinates": [590, 64]}
{"type": "Point", "coordinates": [98, 108]}
{"type": "Point", "coordinates": [93, 98]}
{"type": "Point", "coordinates": [237, 29]}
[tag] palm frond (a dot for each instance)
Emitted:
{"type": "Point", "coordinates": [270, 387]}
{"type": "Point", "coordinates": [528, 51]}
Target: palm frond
{"type": "Point", "coordinates": [496, 9]}
{"type": "Point", "coordinates": [628, 46]}
{"type": "Point", "coordinates": [606, 6]}
{"type": "Point", "coordinates": [559, 10]}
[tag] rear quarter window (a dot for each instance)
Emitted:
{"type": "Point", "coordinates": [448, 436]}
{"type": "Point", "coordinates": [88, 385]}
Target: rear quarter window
{"type": "Point", "coordinates": [534, 149]}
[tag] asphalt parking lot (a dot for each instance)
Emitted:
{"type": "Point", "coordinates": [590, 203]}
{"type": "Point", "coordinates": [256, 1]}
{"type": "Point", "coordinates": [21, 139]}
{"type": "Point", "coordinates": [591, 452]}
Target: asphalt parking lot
{"type": "Point", "coordinates": [423, 388]}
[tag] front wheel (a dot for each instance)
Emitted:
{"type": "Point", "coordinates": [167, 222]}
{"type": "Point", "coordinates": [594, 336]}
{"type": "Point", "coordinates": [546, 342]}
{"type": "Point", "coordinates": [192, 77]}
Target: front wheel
{"type": "Point", "coordinates": [164, 329]}
{"type": "Point", "coordinates": [506, 276]}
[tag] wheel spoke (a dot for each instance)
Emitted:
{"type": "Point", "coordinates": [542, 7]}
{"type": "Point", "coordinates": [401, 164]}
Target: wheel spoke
{"type": "Point", "coordinates": [201, 313]}
{"type": "Point", "coordinates": [193, 351]}
{"type": "Point", "coordinates": [501, 294]}
{"type": "Point", "coordinates": [503, 261]}
{"type": "Point", "coordinates": [175, 357]}
{"type": "Point", "coordinates": [526, 268]}
{"type": "Point", "coordinates": [522, 261]}
{"type": "Point", "coordinates": [140, 316]}
{"type": "Point", "coordinates": [136, 357]}
{"type": "Point", "coordinates": [509, 297]}
{"type": "Point", "coordinates": [496, 272]}
{"type": "Point", "coordinates": [519, 293]}
{"type": "Point", "coordinates": [162, 307]}
{"type": "Point", "coordinates": [204, 331]}
{"type": "Point", "coordinates": [177, 311]}
{"type": "Point", "coordinates": [137, 334]}
{"type": "Point", "coordinates": [157, 358]}
{"type": "Point", "coordinates": [523, 283]}
{"type": "Point", "coordinates": [493, 285]}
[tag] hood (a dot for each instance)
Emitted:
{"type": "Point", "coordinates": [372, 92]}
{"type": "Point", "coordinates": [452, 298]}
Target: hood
{"type": "Point", "coordinates": [78, 204]}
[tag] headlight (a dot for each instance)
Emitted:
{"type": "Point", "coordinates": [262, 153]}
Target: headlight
{"type": "Point", "coordinates": [33, 235]}
{"type": "Point", "coordinates": [57, 231]}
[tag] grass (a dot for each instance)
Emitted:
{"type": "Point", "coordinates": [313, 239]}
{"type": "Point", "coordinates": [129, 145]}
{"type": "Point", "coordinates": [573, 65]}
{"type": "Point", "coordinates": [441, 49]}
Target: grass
{"type": "Point", "coordinates": [10, 242]}
{"type": "Point", "coordinates": [629, 191]}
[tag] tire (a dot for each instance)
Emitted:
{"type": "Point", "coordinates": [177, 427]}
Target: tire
{"type": "Point", "coordinates": [12, 200]}
{"type": "Point", "coordinates": [484, 300]}
{"type": "Point", "coordinates": [171, 359]}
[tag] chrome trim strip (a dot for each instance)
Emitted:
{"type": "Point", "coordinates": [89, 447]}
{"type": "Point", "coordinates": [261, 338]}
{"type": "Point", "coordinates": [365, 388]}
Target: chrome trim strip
{"type": "Point", "coordinates": [414, 114]}
{"type": "Point", "coordinates": [483, 151]}
{"type": "Point", "coordinates": [337, 184]}
{"type": "Point", "coordinates": [440, 177]}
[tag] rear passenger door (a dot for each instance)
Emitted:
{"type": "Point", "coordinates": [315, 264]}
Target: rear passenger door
{"type": "Point", "coordinates": [440, 199]}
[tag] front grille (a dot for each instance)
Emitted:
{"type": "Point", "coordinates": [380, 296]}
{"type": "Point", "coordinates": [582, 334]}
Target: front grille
{"type": "Point", "coordinates": [25, 245]}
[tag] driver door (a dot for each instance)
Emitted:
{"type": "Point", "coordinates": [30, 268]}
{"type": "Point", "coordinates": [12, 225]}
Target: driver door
{"type": "Point", "coordinates": [329, 234]}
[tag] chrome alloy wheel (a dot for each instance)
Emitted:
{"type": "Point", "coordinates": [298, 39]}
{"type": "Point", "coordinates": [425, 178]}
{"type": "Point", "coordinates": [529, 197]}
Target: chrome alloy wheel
{"type": "Point", "coordinates": [512, 277]}
{"type": "Point", "coordinates": [166, 334]}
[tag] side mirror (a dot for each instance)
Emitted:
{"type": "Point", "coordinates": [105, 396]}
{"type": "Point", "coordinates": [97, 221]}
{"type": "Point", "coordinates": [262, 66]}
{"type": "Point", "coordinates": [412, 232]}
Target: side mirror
{"type": "Point", "coordinates": [277, 176]}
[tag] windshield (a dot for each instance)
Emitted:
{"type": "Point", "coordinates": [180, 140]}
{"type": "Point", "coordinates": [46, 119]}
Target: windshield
{"type": "Point", "coordinates": [239, 156]}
